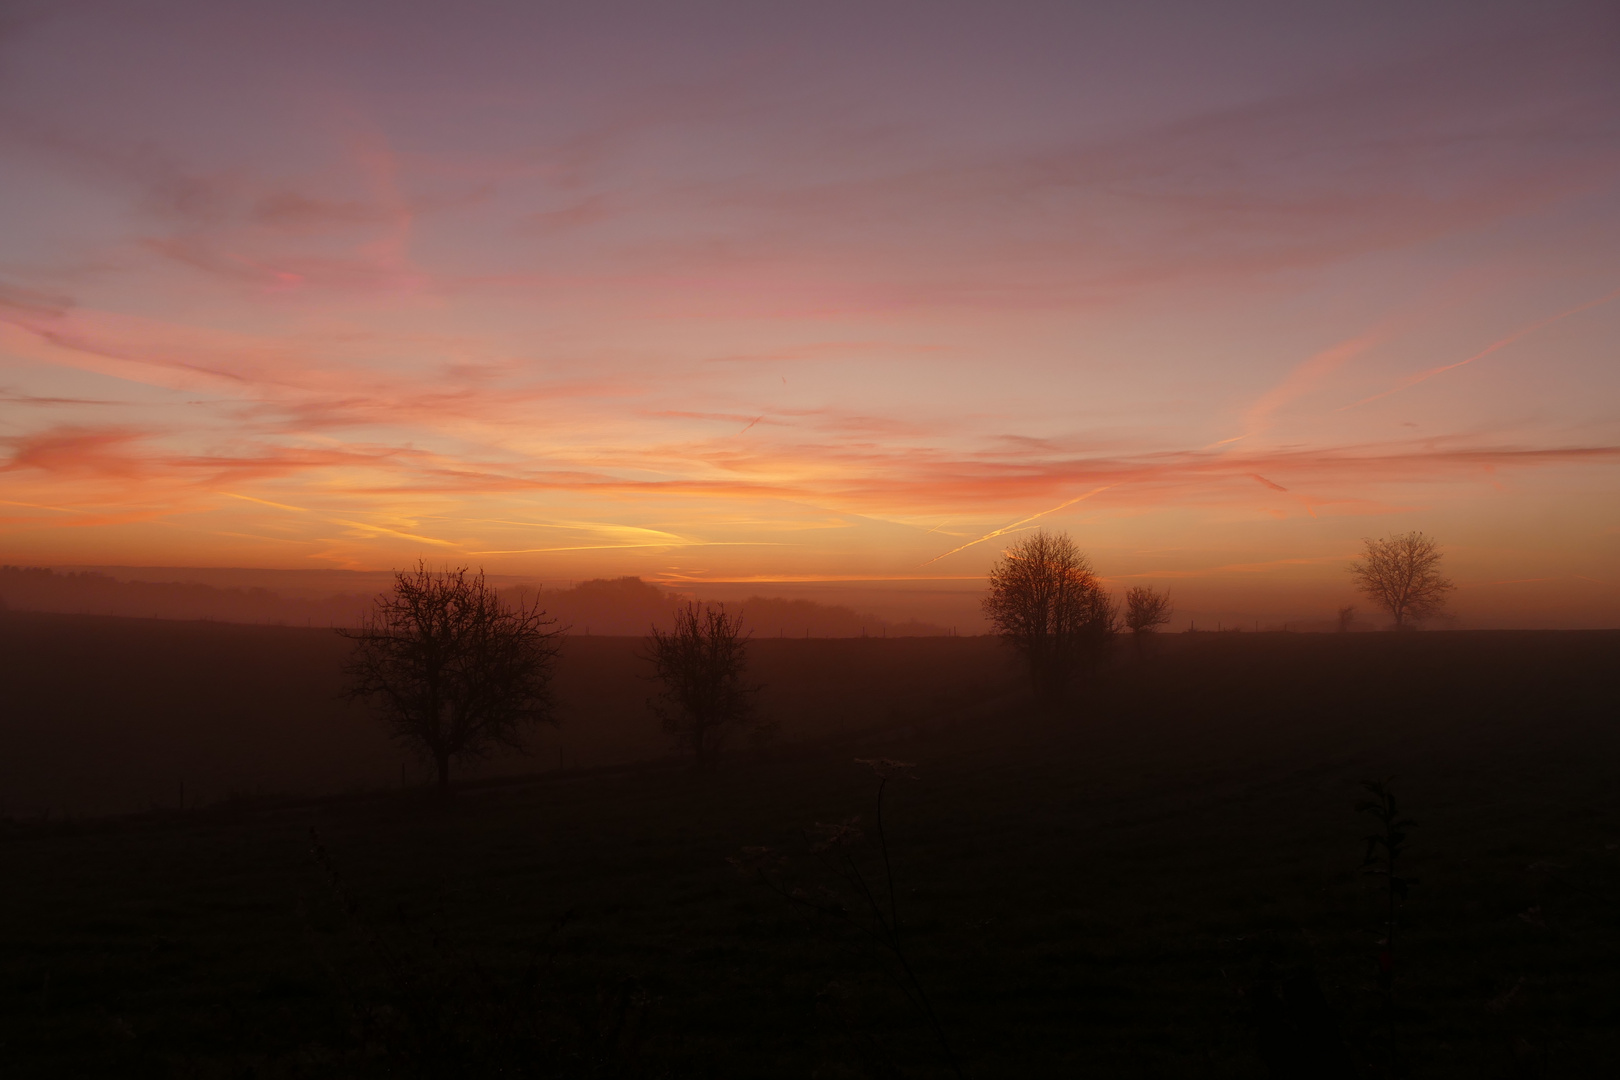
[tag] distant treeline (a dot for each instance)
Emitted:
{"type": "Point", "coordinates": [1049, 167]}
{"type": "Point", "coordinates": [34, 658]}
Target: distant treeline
{"type": "Point", "coordinates": [619, 607]}
{"type": "Point", "coordinates": [38, 588]}
{"type": "Point", "coordinates": [628, 606]}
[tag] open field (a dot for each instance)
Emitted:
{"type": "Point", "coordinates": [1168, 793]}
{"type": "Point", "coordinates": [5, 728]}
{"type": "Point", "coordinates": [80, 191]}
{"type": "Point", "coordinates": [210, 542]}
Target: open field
{"type": "Point", "coordinates": [111, 715]}
{"type": "Point", "coordinates": [1157, 881]}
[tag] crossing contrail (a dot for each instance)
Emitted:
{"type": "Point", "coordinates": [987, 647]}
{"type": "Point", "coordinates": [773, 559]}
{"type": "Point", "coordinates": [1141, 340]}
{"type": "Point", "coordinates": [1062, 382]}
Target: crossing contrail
{"type": "Point", "coordinates": [1424, 376]}
{"type": "Point", "coordinates": [1009, 528]}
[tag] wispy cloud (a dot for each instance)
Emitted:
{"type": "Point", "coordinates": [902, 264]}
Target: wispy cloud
{"type": "Point", "coordinates": [1301, 380]}
{"type": "Point", "coordinates": [780, 309]}
{"type": "Point", "coordinates": [1502, 343]}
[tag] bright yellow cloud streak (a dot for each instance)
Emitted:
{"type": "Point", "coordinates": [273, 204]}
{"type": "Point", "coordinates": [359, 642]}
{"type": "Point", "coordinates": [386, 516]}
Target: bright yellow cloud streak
{"type": "Point", "coordinates": [617, 547]}
{"type": "Point", "coordinates": [393, 532]}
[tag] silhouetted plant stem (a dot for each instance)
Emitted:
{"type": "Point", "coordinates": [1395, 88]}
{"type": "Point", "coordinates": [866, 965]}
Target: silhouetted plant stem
{"type": "Point", "coordinates": [883, 846]}
{"type": "Point", "coordinates": [440, 1012]}
{"type": "Point", "coordinates": [883, 930]}
{"type": "Point", "coordinates": [1384, 849]}
{"type": "Point", "coordinates": [894, 933]}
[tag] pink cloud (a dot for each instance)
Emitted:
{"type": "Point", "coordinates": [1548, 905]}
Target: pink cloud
{"type": "Point", "coordinates": [76, 450]}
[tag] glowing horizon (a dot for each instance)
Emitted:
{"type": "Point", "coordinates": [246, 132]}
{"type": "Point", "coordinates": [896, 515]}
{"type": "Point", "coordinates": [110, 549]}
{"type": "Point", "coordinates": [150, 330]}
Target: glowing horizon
{"type": "Point", "coordinates": [742, 297]}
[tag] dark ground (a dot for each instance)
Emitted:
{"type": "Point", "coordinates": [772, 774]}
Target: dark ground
{"type": "Point", "coordinates": [112, 715]}
{"type": "Point", "coordinates": [1162, 880]}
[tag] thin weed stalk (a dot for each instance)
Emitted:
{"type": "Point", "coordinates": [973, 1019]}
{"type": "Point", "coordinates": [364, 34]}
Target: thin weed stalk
{"type": "Point", "coordinates": [439, 1012]}
{"type": "Point", "coordinates": [1385, 847]}
{"type": "Point", "coordinates": [879, 930]}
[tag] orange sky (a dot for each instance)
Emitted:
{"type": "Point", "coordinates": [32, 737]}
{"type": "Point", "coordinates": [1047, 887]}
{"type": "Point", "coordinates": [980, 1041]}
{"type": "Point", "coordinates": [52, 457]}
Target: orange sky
{"type": "Point", "coordinates": [833, 300]}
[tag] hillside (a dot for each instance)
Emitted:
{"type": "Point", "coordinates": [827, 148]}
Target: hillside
{"type": "Point", "coordinates": [624, 606]}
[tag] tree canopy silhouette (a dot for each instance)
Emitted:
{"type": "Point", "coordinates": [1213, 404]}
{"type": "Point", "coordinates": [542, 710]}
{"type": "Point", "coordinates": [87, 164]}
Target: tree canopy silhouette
{"type": "Point", "coordinates": [1401, 574]}
{"type": "Point", "coordinates": [1046, 603]}
{"type": "Point", "coordinates": [700, 665]}
{"type": "Point", "coordinates": [1145, 610]}
{"type": "Point", "coordinates": [453, 670]}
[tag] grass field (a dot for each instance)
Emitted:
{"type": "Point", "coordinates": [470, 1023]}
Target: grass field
{"type": "Point", "coordinates": [112, 715]}
{"type": "Point", "coordinates": [1161, 880]}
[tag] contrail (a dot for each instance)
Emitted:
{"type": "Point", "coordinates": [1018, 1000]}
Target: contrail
{"type": "Point", "coordinates": [390, 532]}
{"type": "Point", "coordinates": [1009, 528]}
{"type": "Point", "coordinates": [38, 506]}
{"type": "Point", "coordinates": [266, 502]}
{"type": "Point", "coordinates": [1424, 376]}
{"type": "Point", "coordinates": [342, 521]}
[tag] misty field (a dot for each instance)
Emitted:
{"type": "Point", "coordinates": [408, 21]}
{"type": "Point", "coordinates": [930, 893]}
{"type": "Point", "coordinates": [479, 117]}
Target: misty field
{"type": "Point", "coordinates": [223, 710]}
{"type": "Point", "coordinates": [1162, 878]}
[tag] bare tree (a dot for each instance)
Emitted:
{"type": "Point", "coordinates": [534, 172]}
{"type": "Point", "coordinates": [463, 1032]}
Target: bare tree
{"type": "Point", "coordinates": [452, 670]}
{"type": "Point", "coordinates": [1145, 610]}
{"type": "Point", "coordinates": [1401, 574]}
{"type": "Point", "coordinates": [700, 664]}
{"type": "Point", "coordinates": [1347, 615]}
{"type": "Point", "coordinates": [1046, 603]}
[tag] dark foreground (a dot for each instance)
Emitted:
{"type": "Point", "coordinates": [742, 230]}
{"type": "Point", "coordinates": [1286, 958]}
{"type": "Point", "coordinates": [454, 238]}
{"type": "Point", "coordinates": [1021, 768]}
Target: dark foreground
{"type": "Point", "coordinates": [1163, 880]}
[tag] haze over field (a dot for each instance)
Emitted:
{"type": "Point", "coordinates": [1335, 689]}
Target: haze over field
{"type": "Point", "coordinates": [623, 607]}
{"type": "Point", "coordinates": [819, 301]}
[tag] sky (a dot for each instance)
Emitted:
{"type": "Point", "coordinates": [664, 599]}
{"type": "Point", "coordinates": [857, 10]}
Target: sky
{"type": "Point", "coordinates": [833, 299]}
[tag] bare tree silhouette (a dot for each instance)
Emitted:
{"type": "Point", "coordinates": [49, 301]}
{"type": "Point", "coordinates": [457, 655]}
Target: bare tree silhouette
{"type": "Point", "coordinates": [1347, 615]}
{"type": "Point", "coordinates": [1145, 612]}
{"type": "Point", "coordinates": [1401, 574]}
{"type": "Point", "coordinates": [454, 671]}
{"type": "Point", "coordinates": [700, 665]}
{"type": "Point", "coordinates": [1046, 603]}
